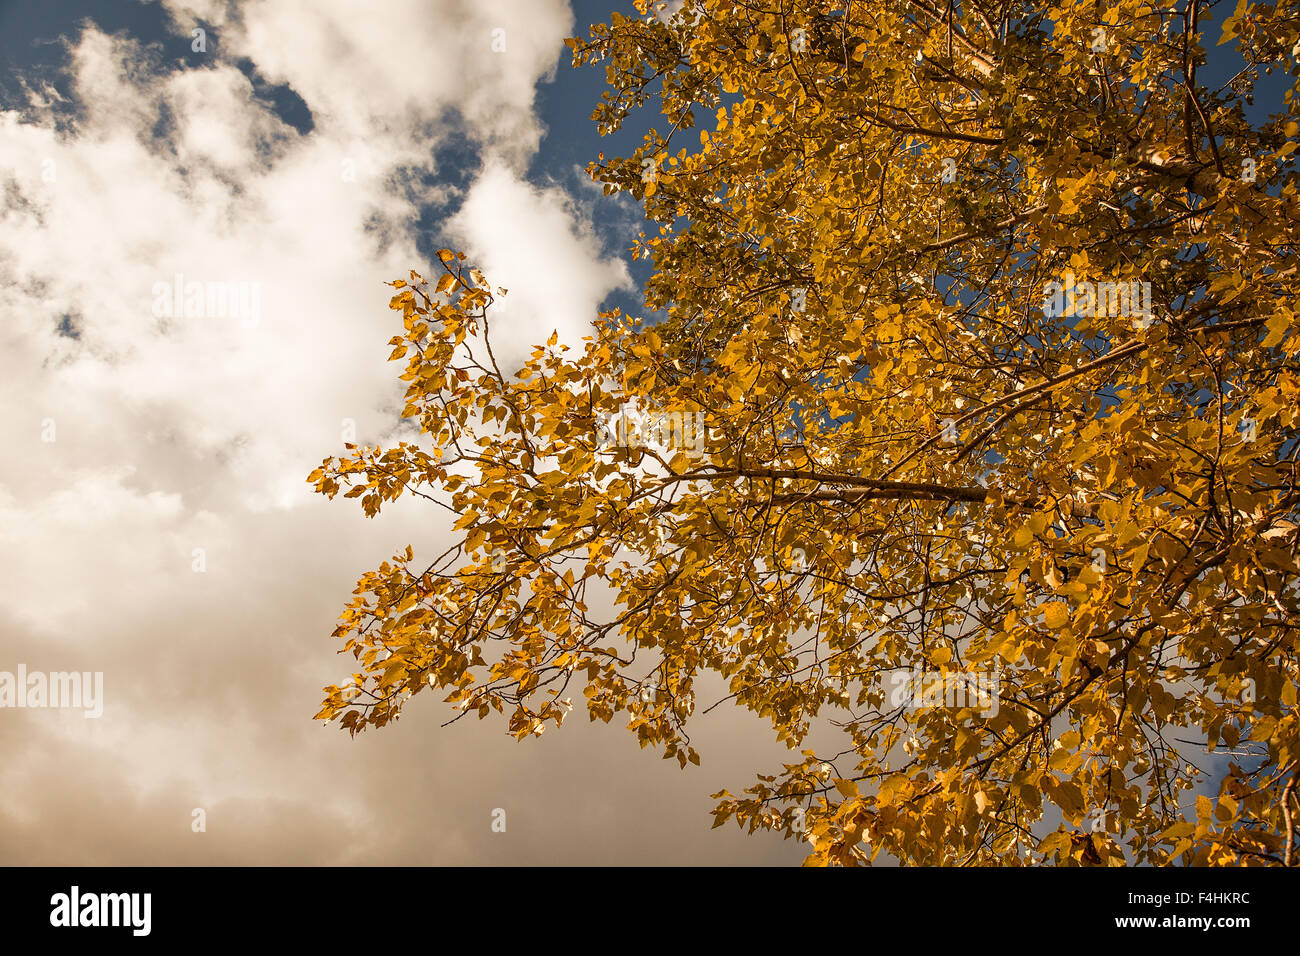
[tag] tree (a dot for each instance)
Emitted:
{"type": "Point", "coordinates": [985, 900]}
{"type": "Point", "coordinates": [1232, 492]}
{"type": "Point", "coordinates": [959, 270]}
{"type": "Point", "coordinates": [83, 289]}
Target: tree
{"type": "Point", "coordinates": [964, 443]}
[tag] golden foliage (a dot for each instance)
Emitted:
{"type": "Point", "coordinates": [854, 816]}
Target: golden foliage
{"type": "Point", "coordinates": [909, 464]}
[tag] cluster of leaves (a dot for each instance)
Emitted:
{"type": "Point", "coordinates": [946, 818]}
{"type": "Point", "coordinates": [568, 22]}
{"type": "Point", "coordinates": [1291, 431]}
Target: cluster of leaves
{"type": "Point", "coordinates": [909, 462]}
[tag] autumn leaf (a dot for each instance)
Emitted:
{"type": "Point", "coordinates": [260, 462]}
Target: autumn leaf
{"type": "Point", "coordinates": [958, 436]}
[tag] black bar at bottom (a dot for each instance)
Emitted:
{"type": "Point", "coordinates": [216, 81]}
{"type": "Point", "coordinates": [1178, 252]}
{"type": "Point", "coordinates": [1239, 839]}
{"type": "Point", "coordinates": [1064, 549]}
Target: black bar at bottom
{"type": "Point", "coordinates": [390, 905]}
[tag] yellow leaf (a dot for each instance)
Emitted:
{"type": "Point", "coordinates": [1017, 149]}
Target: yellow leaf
{"type": "Point", "coordinates": [1056, 615]}
{"type": "Point", "coordinates": [847, 788]}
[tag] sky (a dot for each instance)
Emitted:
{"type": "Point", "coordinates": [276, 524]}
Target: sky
{"type": "Point", "coordinates": [155, 521]}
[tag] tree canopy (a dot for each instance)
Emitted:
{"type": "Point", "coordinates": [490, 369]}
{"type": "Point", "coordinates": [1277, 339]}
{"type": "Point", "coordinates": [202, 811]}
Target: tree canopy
{"type": "Point", "coordinates": [968, 362]}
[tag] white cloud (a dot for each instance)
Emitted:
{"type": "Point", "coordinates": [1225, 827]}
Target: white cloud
{"type": "Point", "coordinates": [234, 194]}
{"type": "Point", "coordinates": [367, 70]}
{"type": "Point", "coordinates": [529, 241]}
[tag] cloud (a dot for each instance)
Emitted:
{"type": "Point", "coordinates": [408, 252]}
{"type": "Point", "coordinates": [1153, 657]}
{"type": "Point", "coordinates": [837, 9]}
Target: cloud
{"type": "Point", "coordinates": [530, 241]}
{"type": "Point", "coordinates": [367, 71]}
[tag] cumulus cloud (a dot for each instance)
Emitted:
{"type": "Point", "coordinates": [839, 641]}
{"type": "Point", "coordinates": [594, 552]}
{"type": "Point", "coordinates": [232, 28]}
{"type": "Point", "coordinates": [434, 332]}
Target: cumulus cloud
{"type": "Point", "coordinates": [530, 242]}
{"type": "Point", "coordinates": [366, 70]}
